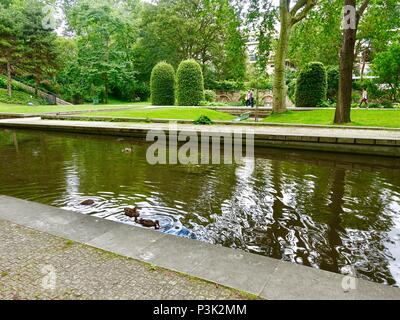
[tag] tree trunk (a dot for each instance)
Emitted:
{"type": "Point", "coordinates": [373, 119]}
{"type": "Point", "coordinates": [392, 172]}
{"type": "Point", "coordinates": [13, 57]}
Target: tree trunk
{"type": "Point", "coordinates": [362, 70]}
{"type": "Point", "coordinates": [347, 55]}
{"type": "Point", "coordinates": [36, 88]}
{"type": "Point", "coordinates": [107, 60]}
{"type": "Point", "coordinates": [279, 89]}
{"type": "Point", "coordinates": [9, 80]}
{"type": "Point", "coordinates": [106, 89]}
{"type": "Point", "coordinates": [256, 111]}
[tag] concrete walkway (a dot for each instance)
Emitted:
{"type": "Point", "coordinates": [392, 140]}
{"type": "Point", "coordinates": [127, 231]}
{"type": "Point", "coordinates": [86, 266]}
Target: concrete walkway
{"type": "Point", "coordinates": [346, 140]}
{"type": "Point", "coordinates": [262, 276]}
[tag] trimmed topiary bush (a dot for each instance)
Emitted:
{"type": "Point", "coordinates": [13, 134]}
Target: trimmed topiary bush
{"type": "Point", "coordinates": [203, 120]}
{"type": "Point", "coordinates": [162, 85]}
{"type": "Point", "coordinates": [190, 83]}
{"type": "Point", "coordinates": [311, 86]}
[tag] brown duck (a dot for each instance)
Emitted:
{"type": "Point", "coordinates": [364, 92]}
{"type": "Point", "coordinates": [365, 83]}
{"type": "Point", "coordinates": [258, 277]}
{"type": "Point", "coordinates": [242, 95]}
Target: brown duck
{"type": "Point", "coordinates": [88, 202]}
{"type": "Point", "coordinates": [132, 213]}
{"type": "Point", "coordinates": [149, 223]}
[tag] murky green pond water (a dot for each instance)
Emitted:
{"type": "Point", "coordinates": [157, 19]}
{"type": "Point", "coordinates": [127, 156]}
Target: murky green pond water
{"type": "Point", "coordinates": [328, 211]}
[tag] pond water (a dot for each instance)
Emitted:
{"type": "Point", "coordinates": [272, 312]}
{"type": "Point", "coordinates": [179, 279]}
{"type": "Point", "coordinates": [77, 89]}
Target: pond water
{"type": "Point", "coordinates": [328, 211]}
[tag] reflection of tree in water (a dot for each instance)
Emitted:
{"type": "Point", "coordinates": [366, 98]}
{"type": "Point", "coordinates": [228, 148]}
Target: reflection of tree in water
{"type": "Point", "coordinates": [31, 167]}
{"type": "Point", "coordinates": [333, 238]}
{"type": "Point", "coordinates": [197, 188]}
{"type": "Point", "coordinates": [301, 213]}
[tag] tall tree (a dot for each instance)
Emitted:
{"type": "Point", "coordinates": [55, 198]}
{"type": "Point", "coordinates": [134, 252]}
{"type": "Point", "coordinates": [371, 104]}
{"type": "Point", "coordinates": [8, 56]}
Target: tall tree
{"type": "Point", "coordinates": [261, 19]}
{"type": "Point", "coordinates": [289, 16]}
{"type": "Point", "coordinates": [290, 13]}
{"type": "Point", "coordinates": [105, 39]}
{"type": "Point", "coordinates": [351, 20]}
{"type": "Point", "coordinates": [41, 55]}
{"type": "Point", "coordinates": [11, 46]}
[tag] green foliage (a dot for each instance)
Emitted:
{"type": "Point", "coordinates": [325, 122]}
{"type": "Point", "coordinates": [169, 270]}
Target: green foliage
{"type": "Point", "coordinates": [190, 83]}
{"type": "Point", "coordinates": [103, 62]}
{"type": "Point", "coordinates": [292, 90]}
{"type": "Point", "coordinates": [142, 91]}
{"type": "Point", "coordinates": [372, 87]}
{"type": "Point", "coordinates": [41, 56]}
{"type": "Point", "coordinates": [203, 120]}
{"type": "Point", "coordinates": [311, 85]}
{"type": "Point", "coordinates": [209, 32]}
{"type": "Point", "coordinates": [261, 16]}
{"type": "Point", "coordinates": [25, 46]}
{"type": "Point", "coordinates": [260, 83]}
{"type": "Point", "coordinates": [212, 104]}
{"type": "Point", "coordinates": [162, 85]}
{"type": "Point", "coordinates": [210, 95]}
{"type": "Point", "coordinates": [333, 76]}
{"type": "Point", "coordinates": [3, 84]}
{"type": "Point", "coordinates": [318, 38]}
{"type": "Point", "coordinates": [356, 97]}
{"type": "Point", "coordinates": [387, 104]}
{"type": "Point", "coordinates": [387, 66]}
{"type": "Point", "coordinates": [20, 97]}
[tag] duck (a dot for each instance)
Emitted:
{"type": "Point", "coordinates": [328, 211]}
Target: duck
{"type": "Point", "coordinates": [149, 223]}
{"type": "Point", "coordinates": [87, 202]}
{"type": "Point", "coordinates": [132, 212]}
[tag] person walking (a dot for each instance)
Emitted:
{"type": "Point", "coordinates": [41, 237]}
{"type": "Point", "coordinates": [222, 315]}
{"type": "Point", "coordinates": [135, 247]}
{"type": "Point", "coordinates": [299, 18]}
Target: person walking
{"type": "Point", "coordinates": [248, 98]}
{"type": "Point", "coordinates": [364, 98]}
{"type": "Point", "coordinates": [251, 96]}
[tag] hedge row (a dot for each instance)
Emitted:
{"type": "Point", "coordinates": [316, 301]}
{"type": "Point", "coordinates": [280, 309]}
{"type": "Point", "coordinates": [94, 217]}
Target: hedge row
{"type": "Point", "coordinates": [188, 86]}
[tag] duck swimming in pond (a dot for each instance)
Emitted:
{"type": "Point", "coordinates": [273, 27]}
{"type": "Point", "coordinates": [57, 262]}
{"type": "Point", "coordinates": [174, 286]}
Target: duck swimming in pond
{"type": "Point", "coordinates": [149, 223]}
{"type": "Point", "coordinates": [88, 202]}
{"type": "Point", "coordinates": [132, 213]}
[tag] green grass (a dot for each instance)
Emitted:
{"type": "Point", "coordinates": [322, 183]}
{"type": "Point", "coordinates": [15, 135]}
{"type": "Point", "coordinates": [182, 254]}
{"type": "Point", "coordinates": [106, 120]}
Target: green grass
{"type": "Point", "coordinates": [18, 97]}
{"type": "Point", "coordinates": [14, 108]}
{"type": "Point", "coordinates": [179, 113]}
{"type": "Point", "coordinates": [117, 101]}
{"type": "Point", "coordinates": [371, 118]}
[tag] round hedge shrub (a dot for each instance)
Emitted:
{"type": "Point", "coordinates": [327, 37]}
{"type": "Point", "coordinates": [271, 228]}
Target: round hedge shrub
{"type": "Point", "coordinates": [311, 86]}
{"type": "Point", "coordinates": [190, 83]}
{"type": "Point", "coordinates": [162, 85]}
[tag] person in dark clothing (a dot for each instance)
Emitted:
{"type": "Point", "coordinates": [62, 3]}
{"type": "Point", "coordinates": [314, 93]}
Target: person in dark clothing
{"type": "Point", "coordinates": [251, 95]}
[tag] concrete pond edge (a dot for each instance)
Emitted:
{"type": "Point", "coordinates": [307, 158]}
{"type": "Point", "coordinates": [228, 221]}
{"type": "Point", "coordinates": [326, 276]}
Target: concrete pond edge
{"type": "Point", "coordinates": [367, 142]}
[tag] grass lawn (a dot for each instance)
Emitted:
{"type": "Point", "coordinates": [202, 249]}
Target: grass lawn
{"type": "Point", "coordinates": [116, 101]}
{"type": "Point", "coordinates": [179, 113]}
{"type": "Point", "coordinates": [370, 117]}
{"type": "Point", "coordinates": [12, 108]}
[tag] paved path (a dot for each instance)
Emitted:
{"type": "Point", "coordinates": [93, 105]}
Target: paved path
{"type": "Point", "coordinates": [29, 258]}
{"type": "Point", "coordinates": [306, 131]}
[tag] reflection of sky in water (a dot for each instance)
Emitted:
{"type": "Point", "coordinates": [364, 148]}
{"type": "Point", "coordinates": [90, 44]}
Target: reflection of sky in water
{"type": "Point", "coordinates": [302, 207]}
